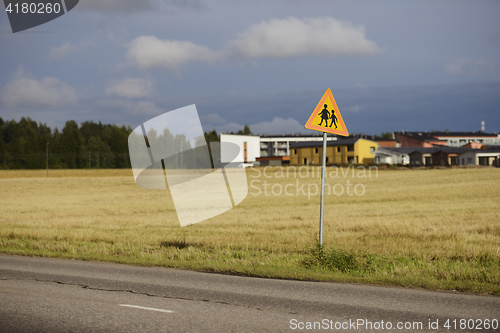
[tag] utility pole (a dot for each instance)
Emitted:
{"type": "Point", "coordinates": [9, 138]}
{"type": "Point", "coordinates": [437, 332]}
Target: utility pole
{"type": "Point", "coordinates": [47, 157]}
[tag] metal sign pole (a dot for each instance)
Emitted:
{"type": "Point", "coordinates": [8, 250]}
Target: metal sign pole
{"type": "Point", "coordinates": [322, 207]}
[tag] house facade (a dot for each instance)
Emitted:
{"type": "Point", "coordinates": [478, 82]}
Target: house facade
{"type": "Point", "coordinates": [480, 157]}
{"type": "Point", "coordinates": [345, 151]}
{"type": "Point", "coordinates": [249, 147]}
{"type": "Point", "coordinates": [395, 156]}
{"type": "Point", "coordinates": [447, 156]}
{"type": "Point", "coordinates": [421, 157]}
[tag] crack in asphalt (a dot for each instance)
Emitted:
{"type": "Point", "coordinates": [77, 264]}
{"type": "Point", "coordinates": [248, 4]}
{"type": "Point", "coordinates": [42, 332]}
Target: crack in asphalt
{"type": "Point", "coordinates": [134, 292]}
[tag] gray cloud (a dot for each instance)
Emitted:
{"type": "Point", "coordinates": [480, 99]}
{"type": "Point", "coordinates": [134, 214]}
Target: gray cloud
{"type": "Point", "coordinates": [146, 108]}
{"type": "Point", "coordinates": [48, 92]}
{"type": "Point", "coordinates": [470, 67]}
{"type": "Point", "coordinates": [130, 88]}
{"type": "Point", "coordinates": [129, 109]}
{"type": "Point", "coordinates": [276, 126]}
{"type": "Point", "coordinates": [67, 49]}
{"type": "Point", "coordinates": [458, 107]}
{"type": "Point", "coordinates": [292, 37]}
{"type": "Point", "coordinates": [147, 52]}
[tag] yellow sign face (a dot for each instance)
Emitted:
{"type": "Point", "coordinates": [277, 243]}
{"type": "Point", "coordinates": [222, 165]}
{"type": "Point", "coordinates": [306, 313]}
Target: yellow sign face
{"type": "Point", "coordinates": [326, 117]}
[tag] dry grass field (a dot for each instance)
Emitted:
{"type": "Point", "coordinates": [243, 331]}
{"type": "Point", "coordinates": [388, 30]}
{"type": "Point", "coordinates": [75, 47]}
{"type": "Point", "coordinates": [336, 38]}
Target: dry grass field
{"type": "Point", "coordinates": [434, 229]}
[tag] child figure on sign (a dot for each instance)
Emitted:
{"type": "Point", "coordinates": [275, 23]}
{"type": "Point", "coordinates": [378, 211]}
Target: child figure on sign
{"type": "Point", "coordinates": [334, 119]}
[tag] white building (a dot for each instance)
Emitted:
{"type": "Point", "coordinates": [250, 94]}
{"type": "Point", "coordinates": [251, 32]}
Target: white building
{"type": "Point", "coordinates": [279, 145]}
{"type": "Point", "coordinates": [451, 139]}
{"type": "Point", "coordinates": [249, 147]}
{"type": "Point", "coordinates": [392, 156]}
{"type": "Point", "coordinates": [480, 157]}
{"type": "Point", "coordinates": [461, 139]}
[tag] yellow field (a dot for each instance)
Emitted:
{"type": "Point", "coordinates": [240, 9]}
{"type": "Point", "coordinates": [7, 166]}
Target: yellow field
{"type": "Point", "coordinates": [437, 229]}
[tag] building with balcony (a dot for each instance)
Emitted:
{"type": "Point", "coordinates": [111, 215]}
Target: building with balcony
{"type": "Point", "coordinates": [279, 145]}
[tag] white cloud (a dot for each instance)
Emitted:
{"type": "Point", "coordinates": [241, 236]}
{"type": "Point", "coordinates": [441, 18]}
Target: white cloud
{"type": "Point", "coordinates": [150, 52]}
{"type": "Point", "coordinates": [28, 92]}
{"type": "Point", "coordinates": [67, 48]}
{"type": "Point", "coordinates": [130, 88]}
{"type": "Point", "coordinates": [291, 37]}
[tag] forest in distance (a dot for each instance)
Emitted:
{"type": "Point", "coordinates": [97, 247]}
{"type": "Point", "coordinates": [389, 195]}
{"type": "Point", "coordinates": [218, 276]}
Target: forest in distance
{"type": "Point", "coordinates": [24, 145]}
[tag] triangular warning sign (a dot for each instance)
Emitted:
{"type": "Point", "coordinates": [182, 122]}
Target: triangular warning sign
{"type": "Point", "coordinates": [326, 117]}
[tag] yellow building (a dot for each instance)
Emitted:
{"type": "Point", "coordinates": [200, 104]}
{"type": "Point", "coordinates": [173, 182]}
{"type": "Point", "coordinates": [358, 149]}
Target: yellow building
{"type": "Point", "coordinates": [346, 151]}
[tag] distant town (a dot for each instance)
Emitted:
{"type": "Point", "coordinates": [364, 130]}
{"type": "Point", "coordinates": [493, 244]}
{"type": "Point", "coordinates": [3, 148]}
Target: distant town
{"type": "Point", "coordinates": [415, 149]}
{"type": "Point", "coordinates": [27, 144]}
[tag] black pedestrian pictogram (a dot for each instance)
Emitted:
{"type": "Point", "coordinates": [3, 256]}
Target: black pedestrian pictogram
{"type": "Point", "coordinates": [325, 115]}
{"type": "Point", "coordinates": [334, 119]}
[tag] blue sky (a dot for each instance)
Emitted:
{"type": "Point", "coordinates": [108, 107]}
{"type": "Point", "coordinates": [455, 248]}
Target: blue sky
{"type": "Point", "coordinates": [391, 65]}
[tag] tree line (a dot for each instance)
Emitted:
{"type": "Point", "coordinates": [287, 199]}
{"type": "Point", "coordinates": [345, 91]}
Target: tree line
{"type": "Point", "coordinates": [24, 144]}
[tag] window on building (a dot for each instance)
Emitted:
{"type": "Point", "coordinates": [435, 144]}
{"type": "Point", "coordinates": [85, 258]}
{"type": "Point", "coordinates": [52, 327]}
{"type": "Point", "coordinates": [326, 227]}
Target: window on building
{"type": "Point", "coordinates": [350, 148]}
{"type": "Point", "coordinates": [338, 149]}
{"type": "Point", "coordinates": [327, 160]}
{"type": "Point", "coordinates": [295, 151]}
{"type": "Point", "coordinates": [357, 160]}
{"type": "Point", "coordinates": [316, 150]}
{"type": "Point", "coordinates": [454, 160]}
{"type": "Point", "coordinates": [463, 161]}
{"type": "Point", "coordinates": [484, 161]}
{"type": "Point", "coordinates": [469, 161]}
{"type": "Point", "coordinates": [305, 160]}
{"type": "Point", "coordinates": [350, 159]}
{"type": "Point", "coordinates": [428, 160]}
{"type": "Point", "coordinates": [372, 150]}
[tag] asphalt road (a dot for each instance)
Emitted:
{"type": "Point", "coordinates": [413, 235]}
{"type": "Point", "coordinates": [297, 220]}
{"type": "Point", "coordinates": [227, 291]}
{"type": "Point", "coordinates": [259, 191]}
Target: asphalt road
{"type": "Point", "coordinates": [53, 295]}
